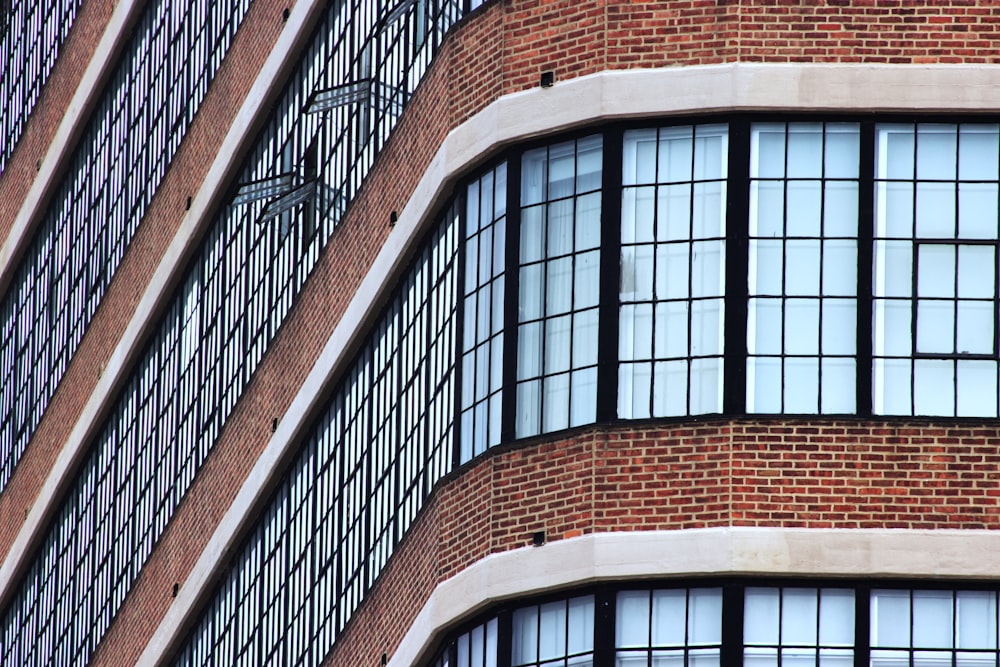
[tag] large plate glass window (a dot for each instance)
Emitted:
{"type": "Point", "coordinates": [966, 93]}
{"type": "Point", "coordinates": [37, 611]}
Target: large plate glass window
{"type": "Point", "coordinates": [672, 284]}
{"type": "Point", "coordinates": [935, 273]}
{"type": "Point", "coordinates": [802, 277]}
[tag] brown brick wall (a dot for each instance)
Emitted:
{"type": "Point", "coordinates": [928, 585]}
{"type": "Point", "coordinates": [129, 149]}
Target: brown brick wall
{"type": "Point", "coordinates": [721, 474]}
{"type": "Point", "coordinates": [808, 473]}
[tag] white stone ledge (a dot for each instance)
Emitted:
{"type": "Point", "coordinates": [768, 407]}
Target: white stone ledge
{"type": "Point", "coordinates": [786, 552]}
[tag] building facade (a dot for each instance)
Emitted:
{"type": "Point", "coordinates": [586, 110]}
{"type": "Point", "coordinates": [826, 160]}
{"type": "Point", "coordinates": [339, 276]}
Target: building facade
{"type": "Point", "coordinates": [500, 333]}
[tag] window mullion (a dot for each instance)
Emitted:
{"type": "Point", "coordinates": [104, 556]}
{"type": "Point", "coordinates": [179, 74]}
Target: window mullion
{"type": "Point", "coordinates": [737, 265]}
{"type": "Point", "coordinates": [511, 290]}
{"type": "Point", "coordinates": [866, 241]}
{"type": "Point", "coordinates": [608, 303]}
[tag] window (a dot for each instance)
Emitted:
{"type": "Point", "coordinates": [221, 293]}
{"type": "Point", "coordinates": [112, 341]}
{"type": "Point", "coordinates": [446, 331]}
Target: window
{"type": "Point", "coordinates": [559, 284]}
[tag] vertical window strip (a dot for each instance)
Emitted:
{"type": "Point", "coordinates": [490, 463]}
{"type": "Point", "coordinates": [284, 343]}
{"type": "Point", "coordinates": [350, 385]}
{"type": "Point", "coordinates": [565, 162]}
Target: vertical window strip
{"type": "Point", "coordinates": [558, 286]}
{"type": "Point", "coordinates": [935, 274]}
{"type": "Point", "coordinates": [803, 256]}
{"type": "Point", "coordinates": [672, 286]}
{"type": "Point", "coordinates": [483, 305]}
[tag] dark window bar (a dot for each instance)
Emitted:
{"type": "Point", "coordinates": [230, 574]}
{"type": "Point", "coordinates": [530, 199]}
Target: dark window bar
{"type": "Point", "coordinates": [235, 296]}
{"type": "Point", "coordinates": [412, 410]}
{"type": "Point", "coordinates": [138, 125]}
{"type": "Point", "coordinates": [31, 36]}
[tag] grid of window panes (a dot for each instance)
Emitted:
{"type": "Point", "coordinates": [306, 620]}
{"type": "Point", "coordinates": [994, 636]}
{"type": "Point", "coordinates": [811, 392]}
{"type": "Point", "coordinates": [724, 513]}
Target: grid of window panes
{"type": "Point", "coordinates": [935, 274]}
{"type": "Point", "coordinates": [31, 36]}
{"type": "Point", "coordinates": [668, 628]}
{"type": "Point", "coordinates": [554, 634]}
{"type": "Point", "coordinates": [933, 628]}
{"type": "Point", "coordinates": [803, 258]}
{"type": "Point", "coordinates": [672, 285]}
{"type": "Point", "coordinates": [140, 121]}
{"type": "Point", "coordinates": [355, 488]}
{"type": "Point", "coordinates": [798, 627]}
{"type": "Point", "coordinates": [559, 285]}
{"type": "Point", "coordinates": [237, 292]}
{"type": "Point", "coordinates": [485, 245]}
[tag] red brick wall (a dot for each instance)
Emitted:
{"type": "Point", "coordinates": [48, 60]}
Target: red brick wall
{"type": "Point", "coordinates": [719, 474]}
{"type": "Point", "coordinates": [781, 473]}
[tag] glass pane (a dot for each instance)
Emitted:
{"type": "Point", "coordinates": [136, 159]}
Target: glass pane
{"type": "Point", "coordinates": [895, 153]}
{"type": "Point", "coordinates": [705, 616]}
{"type": "Point", "coordinates": [524, 640]}
{"type": "Point", "coordinates": [936, 270]}
{"type": "Point", "coordinates": [766, 267]}
{"type": "Point", "coordinates": [976, 272]}
{"type": "Point", "coordinates": [892, 386]}
{"type": "Point", "coordinates": [676, 154]}
{"type": "Point", "coordinates": [934, 387]}
{"type": "Point", "coordinates": [840, 262]}
{"type": "Point", "coordinates": [532, 234]}
{"type": "Point", "coordinates": [706, 327]}
{"type": "Point", "coordinates": [839, 326]}
{"type": "Point", "coordinates": [894, 208]}
{"type": "Point", "coordinates": [842, 150]}
{"type": "Point", "coordinates": [552, 631]}
{"type": "Point", "coordinates": [802, 267]}
{"type": "Point", "coordinates": [977, 210]}
{"type": "Point", "coordinates": [764, 326]}
{"type": "Point", "coordinates": [761, 616]}
{"type": "Point", "coordinates": [588, 221]}
{"type": "Point", "coordinates": [839, 393]}
{"type": "Point", "coordinates": [836, 657]}
{"type": "Point", "coordinates": [639, 157]}
{"type": "Point", "coordinates": [581, 625]}
{"type": "Point", "coordinates": [669, 618]}
{"type": "Point", "coordinates": [707, 268]}
{"type": "Point", "coordinates": [674, 212]}
{"type": "Point", "coordinates": [890, 618]}
{"type": "Point", "coordinates": [671, 327]}
{"type": "Point", "coordinates": [529, 351]}
{"type": "Point", "coordinates": [760, 657]}
{"type": "Point", "coordinates": [805, 146]}
{"type": "Point", "coordinates": [530, 290]}
{"type": "Point", "coordinates": [587, 287]}
{"type": "Point", "coordinates": [836, 617]}
{"type": "Point", "coordinates": [637, 215]}
{"type": "Point", "coordinates": [584, 397]}
{"type": "Point", "coordinates": [667, 658]}
{"type": "Point", "coordinates": [585, 338]}
{"type": "Point", "coordinates": [767, 150]}
{"type": "Point", "coordinates": [798, 657]}
{"type": "Point", "coordinates": [557, 344]}
{"type": "Point", "coordinates": [708, 210]}
{"type": "Point", "coordinates": [711, 148]}
{"type": "Point", "coordinates": [976, 623]}
{"type": "Point", "coordinates": [804, 207]}
{"type": "Point", "coordinates": [672, 276]}
{"type": "Point", "coordinates": [975, 327]}
{"type": "Point", "coordinates": [764, 385]}
{"type": "Point", "coordinates": [704, 658]}
{"type": "Point", "coordinates": [802, 326]}
{"type": "Point", "coordinates": [631, 659]}
{"type": "Point", "coordinates": [706, 385]}
{"type": "Point", "coordinates": [632, 619]}
{"type": "Point", "coordinates": [977, 153]}
{"type": "Point", "coordinates": [799, 616]}
{"type": "Point", "coordinates": [560, 228]}
{"type": "Point", "coordinates": [977, 388]}
{"type": "Point", "coordinates": [801, 385]}
{"type": "Point", "coordinates": [840, 209]}
{"type": "Point", "coordinates": [558, 286]}
{"type": "Point", "coordinates": [588, 163]}
{"type": "Point", "coordinates": [528, 408]}
{"type": "Point", "coordinates": [561, 166]}
{"type": "Point", "coordinates": [937, 151]}
{"type": "Point", "coordinates": [670, 382]}
{"type": "Point", "coordinates": [533, 177]}
{"type": "Point", "coordinates": [767, 209]}
{"type": "Point", "coordinates": [556, 400]}
{"type": "Point", "coordinates": [935, 210]}
{"type": "Point", "coordinates": [935, 326]}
